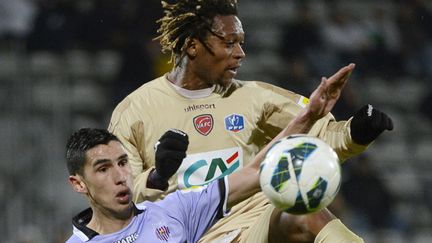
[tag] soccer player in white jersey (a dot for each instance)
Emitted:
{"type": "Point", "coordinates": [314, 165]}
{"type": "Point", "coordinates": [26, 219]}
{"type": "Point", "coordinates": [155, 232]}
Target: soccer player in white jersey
{"type": "Point", "coordinates": [99, 168]}
{"type": "Point", "coordinates": [228, 121]}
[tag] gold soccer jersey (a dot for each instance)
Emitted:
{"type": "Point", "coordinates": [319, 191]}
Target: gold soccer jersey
{"type": "Point", "coordinates": [226, 129]}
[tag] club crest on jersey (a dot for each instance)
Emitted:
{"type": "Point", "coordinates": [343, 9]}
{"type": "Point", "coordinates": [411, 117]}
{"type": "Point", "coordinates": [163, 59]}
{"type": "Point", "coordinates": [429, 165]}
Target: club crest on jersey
{"type": "Point", "coordinates": [203, 124]}
{"type": "Point", "coordinates": [163, 233]}
{"type": "Point", "coordinates": [234, 123]}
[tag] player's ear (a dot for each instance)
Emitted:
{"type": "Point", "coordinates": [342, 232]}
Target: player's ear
{"type": "Point", "coordinates": [192, 48]}
{"type": "Point", "coordinates": [77, 184]}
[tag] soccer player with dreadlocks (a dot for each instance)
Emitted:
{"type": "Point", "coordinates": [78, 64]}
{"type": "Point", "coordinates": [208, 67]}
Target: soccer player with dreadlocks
{"type": "Point", "coordinates": [228, 121]}
{"type": "Point", "coordinates": [99, 169]}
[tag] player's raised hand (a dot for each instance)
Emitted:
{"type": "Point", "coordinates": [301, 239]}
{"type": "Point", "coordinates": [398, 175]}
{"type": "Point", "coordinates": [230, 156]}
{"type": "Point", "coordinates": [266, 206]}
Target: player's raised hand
{"type": "Point", "coordinates": [321, 102]}
{"type": "Point", "coordinates": [325, 96]}
{"type": "Point", "coordinates": [170, 151]}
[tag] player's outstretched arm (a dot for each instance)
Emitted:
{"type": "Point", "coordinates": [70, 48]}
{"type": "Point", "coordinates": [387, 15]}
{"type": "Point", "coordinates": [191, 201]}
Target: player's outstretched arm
{"type": "Point", "coordinates": [245, 182]}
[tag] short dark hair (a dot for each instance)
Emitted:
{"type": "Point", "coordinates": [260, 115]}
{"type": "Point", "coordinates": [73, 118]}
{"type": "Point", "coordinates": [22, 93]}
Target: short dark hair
{"type": "Point", "coordinates": [187, 19]}
{"type": "Point", "coordinates": [80, 142]}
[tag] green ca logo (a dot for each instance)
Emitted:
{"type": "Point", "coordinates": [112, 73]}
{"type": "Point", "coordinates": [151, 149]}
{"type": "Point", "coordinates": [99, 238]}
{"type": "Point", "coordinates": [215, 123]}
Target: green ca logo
{"type": "Point", "coordinates": [232, 162]}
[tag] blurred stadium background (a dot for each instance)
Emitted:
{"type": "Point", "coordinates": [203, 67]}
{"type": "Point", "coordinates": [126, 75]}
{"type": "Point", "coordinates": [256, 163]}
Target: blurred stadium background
{"type": "Point", "coordinates": [64, 64]}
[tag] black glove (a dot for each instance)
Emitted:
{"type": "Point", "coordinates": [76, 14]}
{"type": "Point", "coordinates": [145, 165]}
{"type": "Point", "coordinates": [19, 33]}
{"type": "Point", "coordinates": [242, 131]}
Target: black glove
{"type": "Point", "coordinates": [170, 152]}
{"type": "Point", "coordinates": [368, 123]}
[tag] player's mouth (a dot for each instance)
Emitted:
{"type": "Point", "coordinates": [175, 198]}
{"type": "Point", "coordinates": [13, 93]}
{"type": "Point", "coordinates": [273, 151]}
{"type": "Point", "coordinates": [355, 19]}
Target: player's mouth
{"type": "Point", "coordinates": [233, 70]}
{"type": "Point", "coordinates": [124, 196]}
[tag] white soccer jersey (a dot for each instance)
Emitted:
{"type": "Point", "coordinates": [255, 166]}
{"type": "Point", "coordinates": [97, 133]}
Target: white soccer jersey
{"type": "Point", "coordinates": [183, 216]}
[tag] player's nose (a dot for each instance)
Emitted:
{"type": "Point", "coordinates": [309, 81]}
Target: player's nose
{"type": "Point", "coordinates": [238, 52]}
{"type": "Point", "coordinates": [120, 175]}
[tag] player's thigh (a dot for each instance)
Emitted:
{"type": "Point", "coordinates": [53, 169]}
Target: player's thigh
{"type": "Point", "coordinates": [286, 227]}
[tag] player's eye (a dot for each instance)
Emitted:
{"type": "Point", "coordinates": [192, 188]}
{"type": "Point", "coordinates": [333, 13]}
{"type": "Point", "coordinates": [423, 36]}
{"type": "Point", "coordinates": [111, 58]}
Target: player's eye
{"type": "Point", "coordinates": [102, 169]}
{"type": "Point", "coordinates": [123, 162]}
{"type": "Point", "coordinates": [229, 44]}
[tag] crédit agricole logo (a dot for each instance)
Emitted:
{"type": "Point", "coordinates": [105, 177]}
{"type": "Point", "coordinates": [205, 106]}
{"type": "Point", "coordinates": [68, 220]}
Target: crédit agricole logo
{"type": "Point", "coordinates": [201, 168]}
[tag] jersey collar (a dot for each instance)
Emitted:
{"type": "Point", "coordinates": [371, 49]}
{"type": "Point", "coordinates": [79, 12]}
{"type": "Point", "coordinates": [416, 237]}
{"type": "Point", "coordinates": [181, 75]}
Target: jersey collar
{"type": "Point", "coordinates": [81, 220]}
{"type": "Point", "coordinates": [193, 94]}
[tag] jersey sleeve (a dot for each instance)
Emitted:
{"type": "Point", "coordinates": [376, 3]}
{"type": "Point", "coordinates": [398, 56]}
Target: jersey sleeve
{"type": "Point", "coordinates": [283, 106]}
{"type": "Point", "coordinates": [198, 208]}
{"type": "Point", "coordinates": [338, 135]}
{"type": "Point", "coordinates": [130, 131]}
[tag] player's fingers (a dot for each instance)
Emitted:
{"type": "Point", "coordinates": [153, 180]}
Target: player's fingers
{"type": "Point", "coordinates": [335, 87]}
{"type": "Point", "coordinates": [321, 89]}
{"type": "Point", "coordinates": [349, 70]}
{"type": "Point", "coordinates": [343, 74]}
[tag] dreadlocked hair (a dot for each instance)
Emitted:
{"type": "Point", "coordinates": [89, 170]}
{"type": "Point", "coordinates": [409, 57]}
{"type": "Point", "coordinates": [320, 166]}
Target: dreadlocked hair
{"type": "Point", "coordinates": [187, 19]}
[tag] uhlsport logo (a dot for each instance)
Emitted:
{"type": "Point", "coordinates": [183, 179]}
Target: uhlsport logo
{"type": "Point", "coordinates": [202, 168]}
{"type": "Point", "coordinates": [203, 124]}
{"type": "Point", "coordinates": [234, 123]}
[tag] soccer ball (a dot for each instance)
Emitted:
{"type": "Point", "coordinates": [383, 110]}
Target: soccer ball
{"type": "Point", "coordinates": [300, 174]}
